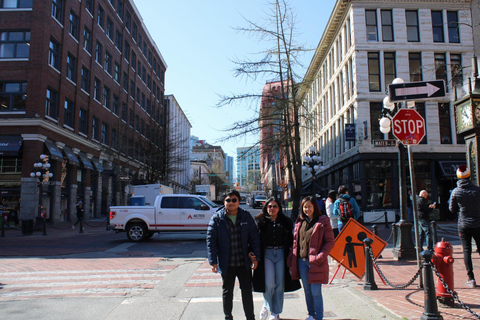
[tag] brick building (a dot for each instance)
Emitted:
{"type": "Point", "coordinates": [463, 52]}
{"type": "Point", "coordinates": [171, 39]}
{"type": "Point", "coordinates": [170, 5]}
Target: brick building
{"type": "Point", "coordinates": [82, 82]}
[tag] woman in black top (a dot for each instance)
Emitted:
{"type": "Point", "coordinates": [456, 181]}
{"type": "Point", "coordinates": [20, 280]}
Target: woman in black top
{"type": "Point", "coordinates": [272, 276]}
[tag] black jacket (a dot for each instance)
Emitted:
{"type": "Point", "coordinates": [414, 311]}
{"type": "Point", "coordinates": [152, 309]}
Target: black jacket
{"type": "Point", "coordinates": [259, 273]}
{"type": "Point", "coordinates": [423, 209]}
{"type": "Point", "coordinates": [465, 201]}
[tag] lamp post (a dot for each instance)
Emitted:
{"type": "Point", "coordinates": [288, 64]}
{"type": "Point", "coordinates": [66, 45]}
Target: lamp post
{"type": "Point", "coordinates": [41, 172]}
{"type": "Point", "coordinates": [313, 162]}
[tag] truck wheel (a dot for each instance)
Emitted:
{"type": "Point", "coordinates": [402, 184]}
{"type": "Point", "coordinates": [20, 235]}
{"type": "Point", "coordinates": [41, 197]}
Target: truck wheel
{"type": "Point", "coordinates": [137, 232]}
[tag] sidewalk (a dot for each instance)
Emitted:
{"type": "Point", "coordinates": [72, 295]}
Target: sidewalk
{"type": "Point", "coordinates": [344, 298]}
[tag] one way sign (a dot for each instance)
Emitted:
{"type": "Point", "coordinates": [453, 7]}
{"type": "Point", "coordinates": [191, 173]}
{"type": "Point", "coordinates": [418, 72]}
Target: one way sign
{"type": "Point", "coordinates": [420, 90]}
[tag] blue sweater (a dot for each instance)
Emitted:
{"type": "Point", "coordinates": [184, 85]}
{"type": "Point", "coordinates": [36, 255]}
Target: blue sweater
{"type": "Point", "coordinates": [218, 239]}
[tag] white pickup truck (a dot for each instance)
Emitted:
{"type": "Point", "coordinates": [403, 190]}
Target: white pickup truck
{"type": "Point", "coordinates": [170, 212]}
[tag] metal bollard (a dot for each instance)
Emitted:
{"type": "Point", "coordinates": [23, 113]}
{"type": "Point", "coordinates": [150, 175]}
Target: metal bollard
{"type": "Point", "coordinates": [44, 227]}
{"type": "Point", "coordinates": [81, 225]}
{"type": "Point", "coordinates": [433, 228]}
{"type": "Point", "coordinates": [386, 219]}
{"type": "Point", "coordinates": [431, 307]}
{"type": "Point", "coordinates": [375, 232]}
{"type": "Point", "coordinates": [369, 276]}
{"type": "Point", "coordinates": [394, 231]}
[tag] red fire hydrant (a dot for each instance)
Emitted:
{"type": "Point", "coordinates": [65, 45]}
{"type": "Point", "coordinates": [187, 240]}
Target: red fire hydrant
{"type": "Point", "coordinates": [443, 261]}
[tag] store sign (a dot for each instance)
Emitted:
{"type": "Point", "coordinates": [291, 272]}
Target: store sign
{"type": "Point", "coordinates": [349, 132]}
{"type": "Point", "coordinates": [385, 143]}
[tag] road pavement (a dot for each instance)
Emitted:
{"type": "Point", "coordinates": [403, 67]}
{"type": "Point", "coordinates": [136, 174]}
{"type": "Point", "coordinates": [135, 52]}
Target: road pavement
{"type": "Point", "coordinates": [100, 275]}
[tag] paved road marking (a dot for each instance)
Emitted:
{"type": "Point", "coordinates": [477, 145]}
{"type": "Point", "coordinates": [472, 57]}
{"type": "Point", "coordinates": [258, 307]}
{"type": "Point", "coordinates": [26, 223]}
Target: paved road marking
{"type": "Point", "coordinates": [120, 248]}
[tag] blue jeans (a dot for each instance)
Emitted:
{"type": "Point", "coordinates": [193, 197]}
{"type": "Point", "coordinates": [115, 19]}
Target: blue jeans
{"type": "Point", "coordinates": [313, 291]}
{"type": "Point", "coordinates": [425, 232]}
{"type": "Point", "coordinates": [274, 280]}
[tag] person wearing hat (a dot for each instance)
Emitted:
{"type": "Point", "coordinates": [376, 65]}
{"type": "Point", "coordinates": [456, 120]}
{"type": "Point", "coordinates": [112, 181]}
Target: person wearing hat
{"type": "Point", "coordinates": [465, 202]}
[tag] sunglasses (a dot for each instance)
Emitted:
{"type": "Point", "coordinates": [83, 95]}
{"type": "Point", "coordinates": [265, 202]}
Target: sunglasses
{"type": "Point", "coordinates": [272, 206]}
{"type": "Point", "coordinates": [234, 200]}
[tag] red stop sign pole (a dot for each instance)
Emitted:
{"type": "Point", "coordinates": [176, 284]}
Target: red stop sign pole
{"type": "Point", "coordinates": [408, 126]}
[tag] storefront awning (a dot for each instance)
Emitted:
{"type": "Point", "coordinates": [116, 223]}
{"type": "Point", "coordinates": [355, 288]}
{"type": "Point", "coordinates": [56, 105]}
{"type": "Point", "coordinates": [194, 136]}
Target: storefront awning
{"type": "Point", "coordinates": [449, 168]}
{"type": "Point", "coordinates": [55, 153]}
{"type": "Point", "coordinates": [86, 163]}
{"type": "Point", "coordinates": [10, 146]}
{"type": "Point", "coordinates": [97, 164]}
{"type": "Point", "coordinates": [72, 158]}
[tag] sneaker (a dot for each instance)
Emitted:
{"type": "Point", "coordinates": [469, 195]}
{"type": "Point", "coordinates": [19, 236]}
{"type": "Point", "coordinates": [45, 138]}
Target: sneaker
{"type": "Point", "coordinates": [310, 318]}
{"type": "Point", "coordinates": [471, 283]}
{"type": "Point", "coordinates": [264, 313]}
{"type": "Point", "coordinates": [274, 316]}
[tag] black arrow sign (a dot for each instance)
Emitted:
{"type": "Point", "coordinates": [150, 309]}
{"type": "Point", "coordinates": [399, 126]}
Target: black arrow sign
{"type": "Point", "coordinates": [421, 90]}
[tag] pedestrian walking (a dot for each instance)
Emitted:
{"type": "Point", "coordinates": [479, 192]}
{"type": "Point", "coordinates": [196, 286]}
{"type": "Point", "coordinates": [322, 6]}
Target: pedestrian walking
{"type": "Point", "coordinates": [231, 236]}
{"type": "Point", "coordinates": [424, 229]}
{"type": "Point", "coordinates": [332, 196]}
{"type": "Point", "coordinates": [312, 242]}
{"type": "Point", "coordinates": [465, 202]}
{"type": "Point", "coordinates": [345, 207]}
{"type": "Point", "coordinates": [80, 212]}
{"type": "Point", "coordinates": [272, 276]}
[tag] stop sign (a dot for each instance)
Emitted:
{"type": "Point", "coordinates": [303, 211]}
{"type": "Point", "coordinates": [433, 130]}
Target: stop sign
{"type": "Point", "coordinates": [408, 126]}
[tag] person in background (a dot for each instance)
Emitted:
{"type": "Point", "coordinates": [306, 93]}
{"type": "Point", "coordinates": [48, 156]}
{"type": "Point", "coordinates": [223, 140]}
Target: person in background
{"type": "Point", "coordinates": [231, 236]}
{"type": "Point", "coordinates": [312, 242]}
{"type": "Point", "coordinates": [344, 194]}
{"type": "Point", "coordinates": [410, 205]}
{"type": "Point", "coordinates": [321, 203]}
{"type": "Point", "coordinates": [465, 202]}
{"type": "Point", "coordinates": [332, 196]}
{"type": "Point", "coordinates": [80, 211]}
{"type": "Point", "coordinates": [424, 210]}
{"type": "Point", "coordinates": [272, 276]}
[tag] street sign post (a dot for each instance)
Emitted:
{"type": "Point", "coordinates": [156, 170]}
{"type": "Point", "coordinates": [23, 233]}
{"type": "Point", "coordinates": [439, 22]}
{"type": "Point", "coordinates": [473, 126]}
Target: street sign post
{"type": "Point", "coordinates": [420, 90]}
{"type": "Point", "coordinates": [408, 126]}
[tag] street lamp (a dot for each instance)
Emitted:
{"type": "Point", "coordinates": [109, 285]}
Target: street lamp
{"type": "Point", "coordinates": [41, 172]}
{"type": "Point", "coordinates": [313, 162]}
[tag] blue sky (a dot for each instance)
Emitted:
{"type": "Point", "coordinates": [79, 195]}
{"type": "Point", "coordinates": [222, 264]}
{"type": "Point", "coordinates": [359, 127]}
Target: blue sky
{"type": "Point", "coordinates": [198, 41]}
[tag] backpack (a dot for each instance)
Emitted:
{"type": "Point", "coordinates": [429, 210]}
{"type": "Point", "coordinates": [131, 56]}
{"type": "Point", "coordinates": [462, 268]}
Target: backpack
{"type": "Point", "coordinates": [346, 210]}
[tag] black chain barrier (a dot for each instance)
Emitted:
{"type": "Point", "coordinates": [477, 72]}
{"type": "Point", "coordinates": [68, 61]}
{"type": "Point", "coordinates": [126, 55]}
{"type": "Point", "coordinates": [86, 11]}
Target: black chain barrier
{"type": "Point", "coordinates": [58, 228]}
{"type": "Point", "coordinates": [409, 283]}
{"type": "Point", "coordinates": [390, 236]}
{"type": "Point", "coordinates": [97, 225]}
{"type": "Point", "coordinates": [453, 293]}
{"type": "Point", "coordinates": [446, 231]}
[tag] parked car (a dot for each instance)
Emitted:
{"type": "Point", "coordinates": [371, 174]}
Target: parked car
{"type": "Point", "coordinates": [170, 212]}
{"type": "Point", "coordinates": [259, 201]}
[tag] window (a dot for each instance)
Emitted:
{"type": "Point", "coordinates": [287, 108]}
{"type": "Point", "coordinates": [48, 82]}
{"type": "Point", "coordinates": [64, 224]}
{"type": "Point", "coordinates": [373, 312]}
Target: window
{"type": "Point", "coordinates": [71, 67]}
{"type": "Point", "coordinates": [100, 16]}
{"type": "Point", "coordinates": [139, 68]}
{"type": "Point", "coordinates": [126, 53]}
{"type": "Point", "coordinates": [128, 20]}
{"type": "Point", "coordinates": [371, 22]}
{"type": "Point", "coordinates": [114, 139]}
{"type": "Point", "coordinates": [95, 128]}
{"type": "Point", "coordinates": [132, 89]}
{"type": "Point", "coordinates": [390, 66]}
{"type": "Point", "coordinates": [456, 69]}
{"type": "Point", "coordinates": [375, 116]}
{"type": "Point", "coordinates": [96, 89]}
{"type": "Point", "coordinates": [444, 123]}
{"type": "Point", "coordinates": [73, 25]}
{"type": "Point", "coordinates": [374, 71]}
{"type": "Point", "coordinates": [115, 104]}
{"type": "Point", "coordinates": [54, 54]}
{"type": "Point", "coordinates": [89, 5]}
{"type": "Point", "coordinates": [125, 81]}
{"type": "Point", "coordinates": [437, 26]}
{"type": "Point", "coordinates": [144, 49]}
{"type": "Point", "coordinates": [148, 106]}
{"type": "Point", "coordinates": [140, 40]}
{"type": "Point", "coordinates": [144, 74]}
{"type": "Point", "coordinates": [162, 77]}
{"type": "Point", "coordinates": [108, 62]}
{"type": "Point", "coordinates": [453, 30]}
{"type": "Point", "coordinates": [441, 67]}
{"type": "Point", "coordinates": [420, 107]}
{"type": "Point", "coordinates": [134, 31]}
{"type": "Point", "coordinates": [124, 112]}
{"type": "Point", "coordinates": [143, 101]}
{"type": "Point", "coordinates": [99, 53]}
{"type": "Point", "coordinates": [149, 82]}
{"type": "Point", "coordinates": [415, 65]}
{"type": "Point", "coordinates": [131, 118]}
{"type": "Point", "coordinates": [387, 25]}
{"type": "Point", "coordinates": [87, 40]}
{"type": "Point", "coordinates": [83, 121]}
{"type": "Point", "coordinates": [412, 26]}
{"type": "Point", "coordinates": [120, 9]}
{"type": "Point", "coordinates": [14, 4]}
{"type": "Point", "coordinates": [14, 44]}
{"type": "Point", "coordinates": [13, 96]}
{"type": "Point", "coordinates": [142, 127]}
{"type": "Point", "coordinates": [68, 113]}
{"type": "Point", "coordinates": [105, 133]}
{"type": "Point", "coordinates": [118, 40]}
{"type": "Point", "coordinates": [112, 2]}
{"type": "Point", "coordinates": [51, 103]}
{"type": "Point", "coordinates": [57, 10]}
{"type": "Point", "coordinates": [134, 60]}
{"type": "Point", "coordinates": [116, 72]}
{"type": "Point", "coordinates": [137, 122]}
{"type": "Point", "coordinates": [106, 97]}
{"type": "Point", "coordinates": [109, 31]}
{"type": "Point", "coordinates": [138, 95]}
{"type": "Point", "coordinates": [85, 79]}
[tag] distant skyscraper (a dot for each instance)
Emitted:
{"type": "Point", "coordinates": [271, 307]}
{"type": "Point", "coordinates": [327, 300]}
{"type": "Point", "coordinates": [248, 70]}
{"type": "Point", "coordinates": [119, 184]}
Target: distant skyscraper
{"type": "Point", "coordinates": [248, 168]}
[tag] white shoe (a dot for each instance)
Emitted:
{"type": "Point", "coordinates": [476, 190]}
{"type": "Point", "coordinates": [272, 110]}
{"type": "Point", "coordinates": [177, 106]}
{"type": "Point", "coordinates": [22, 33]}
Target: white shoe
{"type": "Point", "coordinates": [264, 313]}
{"type": "Point", "coordinates": [310, 318]}
{"type": "Point", "coordinates": [274, 316]}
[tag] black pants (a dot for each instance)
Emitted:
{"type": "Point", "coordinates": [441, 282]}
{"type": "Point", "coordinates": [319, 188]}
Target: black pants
{"type": "Point", "coordinates": [466, 235]}
{"type": "Point", "coordinates": [245, 279]}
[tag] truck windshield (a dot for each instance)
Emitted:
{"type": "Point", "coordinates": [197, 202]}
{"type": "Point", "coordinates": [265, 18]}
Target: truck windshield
{"type": "Point", "coordinates": [210, 202]}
